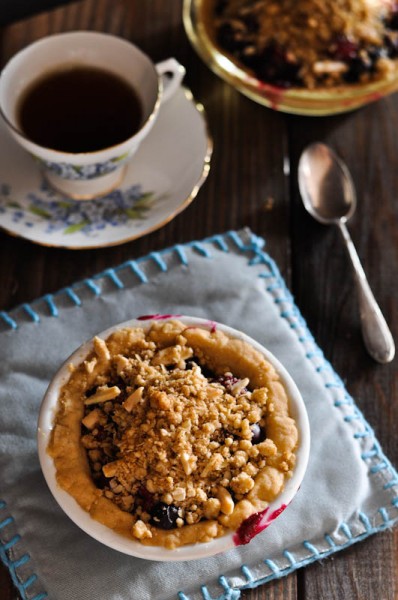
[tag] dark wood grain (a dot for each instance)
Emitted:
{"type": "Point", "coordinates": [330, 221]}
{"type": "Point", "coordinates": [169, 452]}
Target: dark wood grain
{"type": "Point", "coordinates": [249, 186]}
{"type": "Point", "coordinates": [323, 284]}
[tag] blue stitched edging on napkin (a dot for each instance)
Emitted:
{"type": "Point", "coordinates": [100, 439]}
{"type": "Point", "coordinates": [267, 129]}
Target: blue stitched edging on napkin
{"type": "Point", "coordinates": [22, 582]}
{"type": "Point", "coordinates": [371, 453]}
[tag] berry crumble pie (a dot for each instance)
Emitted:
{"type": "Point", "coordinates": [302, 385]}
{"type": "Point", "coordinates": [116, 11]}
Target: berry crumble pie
{"type": "Point", "coordinates": [310, 44]}
{"type": "Point", "coordinates": [173, 434]}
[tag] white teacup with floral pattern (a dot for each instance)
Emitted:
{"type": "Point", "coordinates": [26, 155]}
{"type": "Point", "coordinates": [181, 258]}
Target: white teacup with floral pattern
{"type": "Point", "coordinates": [88, 174]}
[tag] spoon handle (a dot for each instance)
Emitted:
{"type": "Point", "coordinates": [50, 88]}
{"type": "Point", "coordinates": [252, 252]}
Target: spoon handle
{"type": "Point", "coordinates": [376, 334]}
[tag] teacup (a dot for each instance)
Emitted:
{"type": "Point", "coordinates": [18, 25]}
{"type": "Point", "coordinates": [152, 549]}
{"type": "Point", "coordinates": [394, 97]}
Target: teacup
{"type": "Point", "coordinates": [86, 174]}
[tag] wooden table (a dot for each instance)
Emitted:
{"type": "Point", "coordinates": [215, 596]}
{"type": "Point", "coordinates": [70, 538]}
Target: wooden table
{"type": "Point", "coordinates": [253, 183]}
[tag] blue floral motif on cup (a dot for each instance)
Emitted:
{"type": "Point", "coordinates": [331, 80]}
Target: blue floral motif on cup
{"type": "Point", "coordinates": [83, 172]}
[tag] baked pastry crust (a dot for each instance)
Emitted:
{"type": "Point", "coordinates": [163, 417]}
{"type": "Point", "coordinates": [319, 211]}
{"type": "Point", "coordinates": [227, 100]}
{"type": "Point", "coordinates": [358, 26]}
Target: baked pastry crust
{"type": "Point", "coordinates": [174, 434]}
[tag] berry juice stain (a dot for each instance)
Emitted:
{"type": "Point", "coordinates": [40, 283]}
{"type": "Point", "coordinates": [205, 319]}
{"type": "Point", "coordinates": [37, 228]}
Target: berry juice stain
{"type": "Point", "coordinates": [255, 524]}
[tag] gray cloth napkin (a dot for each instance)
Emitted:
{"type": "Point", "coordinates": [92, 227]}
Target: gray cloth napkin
{"type": "Point", "coordinates": [350, 488]}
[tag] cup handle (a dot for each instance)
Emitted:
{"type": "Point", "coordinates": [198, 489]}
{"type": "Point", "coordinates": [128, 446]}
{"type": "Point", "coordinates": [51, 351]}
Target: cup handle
{"type": "Point", "coordinates": [171, 73]}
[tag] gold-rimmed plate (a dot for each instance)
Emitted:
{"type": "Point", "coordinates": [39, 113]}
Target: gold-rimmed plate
{"type": "Point", "coordinates": [161, 181]}
{"type": "Point", "coordinates": [197, 16]}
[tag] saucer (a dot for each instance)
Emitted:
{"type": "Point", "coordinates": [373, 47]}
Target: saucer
{"type": "Point", "coordinates": [161, 181]}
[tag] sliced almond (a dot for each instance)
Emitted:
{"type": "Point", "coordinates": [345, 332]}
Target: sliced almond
{"type": "Point", "coordinates": [110, 469]}
{"type": "Point", "coordinates": [133, 400]}
{"type": "Point", "coordinates": [239, 386]}
{"type": "Point", "coordinates": [227, 504]}
{"type": "Point", "coordinates": [90, 365]}
{"type": "Point", "coordinates": [121, 363]}
{"type": "Point", "coordinates": [329, 67]}
{"type": "Point", "coordinates": [103, 394]}
{"type": "Point", "coordinates": [215, 464]}
{"type": "Point", "coordinates": [188, 462]}
{"type": "Point", "coordinates": [141, 530]}
{"type": "Point", "coordinates": [101, 349]}
{"type": "Point", "coordinates": [92, 419]}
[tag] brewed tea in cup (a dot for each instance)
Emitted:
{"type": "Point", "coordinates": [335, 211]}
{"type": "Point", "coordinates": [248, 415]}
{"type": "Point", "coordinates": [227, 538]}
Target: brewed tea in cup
{"type": "Point", "coordinates": [99, 110]}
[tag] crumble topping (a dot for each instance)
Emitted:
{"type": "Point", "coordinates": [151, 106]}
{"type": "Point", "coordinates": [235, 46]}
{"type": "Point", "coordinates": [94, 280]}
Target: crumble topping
{"type": "Point", "coordinates": [307, 43]}
{"type": "Point", "coordinates": [173, 435]}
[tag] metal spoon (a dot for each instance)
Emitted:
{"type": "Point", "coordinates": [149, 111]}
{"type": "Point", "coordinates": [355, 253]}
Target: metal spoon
{"type": "Point", "coordinates": [329, 196]}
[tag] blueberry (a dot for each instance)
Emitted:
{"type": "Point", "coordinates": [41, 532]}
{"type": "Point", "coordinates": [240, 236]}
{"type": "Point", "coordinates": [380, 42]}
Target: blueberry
{"type": "Point", "coordinates": [251, 23]}
{"type": "Point", "coordinates": [391, 46]}
{"type": "Point", "coordinates": [375, 53]}
{"type": "Point", "coordinates": [344, 49]}
{"type": "Point", "coordinates": [356, 68]}
{"type": "Point", "coordinates": [164, 516]}
{"type": "Point", "coordinates": [220, 7]}
{"type": "Point", "coordinates": [100, 480]}
{"type": "Point", "coordinates": [91, 391]}
{"type": "Point", "coordinates": [273, 66]}
{"type": "Point", "coordinates": [228, 381]}
{"type": "Point", "coordinates": [118, 382]}
{"type": "Point", "coordinates": [392, 21]}
{"type": "Point", "coordinates": [147, 499]}
{"type": "Point", "coordinates": [192, 362]}
{"type": "Point", "coordinates": [228, 39]}
{"type": "Point", "coordinates": [206, 372]}
{"type": "Point", "coordinates": [258, 434]}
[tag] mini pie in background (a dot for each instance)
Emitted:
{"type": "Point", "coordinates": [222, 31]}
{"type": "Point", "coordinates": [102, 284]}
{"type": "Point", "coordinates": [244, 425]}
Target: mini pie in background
{"type": "Point", "coordinates": [307, 44]}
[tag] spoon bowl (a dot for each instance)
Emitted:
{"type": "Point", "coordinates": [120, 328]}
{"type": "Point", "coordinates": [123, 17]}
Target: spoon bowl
{"type": "Point", "coordinates": [326, 186]}
{"type": "Point", "coordinates": [328, 194]}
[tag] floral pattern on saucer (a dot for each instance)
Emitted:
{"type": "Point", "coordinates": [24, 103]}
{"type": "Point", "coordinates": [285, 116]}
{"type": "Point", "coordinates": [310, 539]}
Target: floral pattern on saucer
{"type": "Point", "coordinates": [83, 172]}
{"type": "Point", "coordinates": [71, 217]}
